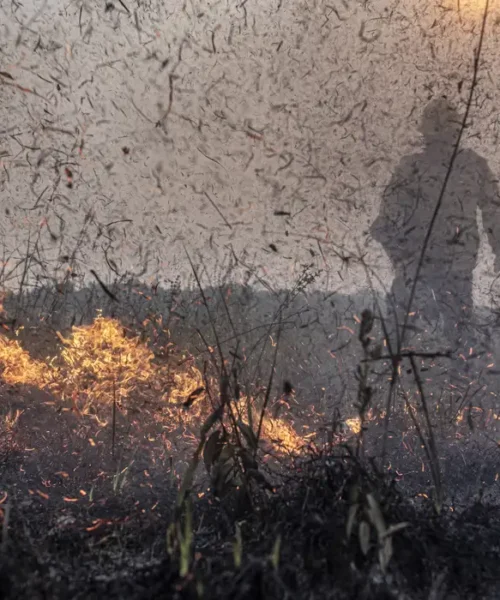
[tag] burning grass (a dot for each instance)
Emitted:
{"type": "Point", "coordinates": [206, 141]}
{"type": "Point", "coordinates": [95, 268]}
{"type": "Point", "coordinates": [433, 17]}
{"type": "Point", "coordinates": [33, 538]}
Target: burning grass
{"type": "Point", "coordinates": [320, 520]}
{"type": "Point", "coordinates": [17, 366]}
{"type": "Point", "coordinates": [104, 363]}
{"type": "Point", "coordinates": [100, 363]}
{"type": "Point", "coordinates": [101, 360]}
{"type": "Point", "coordinates": [283, 436]}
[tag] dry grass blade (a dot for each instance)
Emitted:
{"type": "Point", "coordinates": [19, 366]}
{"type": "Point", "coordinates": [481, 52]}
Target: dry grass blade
{"type": "Point", "coordinates": [364, 537]}
{"type": "Point", "coordinates": [353, 511]}
{"type": "Point", "coordinates": [376, 516]}
{"type": "Point", "coordinates": [213, 449]}
{"type": "Point", "coordinates": [189, 475]}
{"type": "Point", "coordinates": [275, 554]}
{"type": "Point", "coordinates": [238, 547]}
{"type": "Point", "coordinates": [430, 445]}
{"type": "Point", "coordinates": [270, 383]}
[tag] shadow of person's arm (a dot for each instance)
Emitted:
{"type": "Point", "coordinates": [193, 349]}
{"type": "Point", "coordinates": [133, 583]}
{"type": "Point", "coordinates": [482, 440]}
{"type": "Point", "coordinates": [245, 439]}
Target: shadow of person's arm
{"type": "Point", "coordinates": [489, 203]}
{"type": "Point", "coordinates": [397, 222]}
{"type": "Point", "coordinates": [389, 212]}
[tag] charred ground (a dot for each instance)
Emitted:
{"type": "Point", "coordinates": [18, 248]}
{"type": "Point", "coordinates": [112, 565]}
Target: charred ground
{"type": "Point", "coordinates": [88, 499]}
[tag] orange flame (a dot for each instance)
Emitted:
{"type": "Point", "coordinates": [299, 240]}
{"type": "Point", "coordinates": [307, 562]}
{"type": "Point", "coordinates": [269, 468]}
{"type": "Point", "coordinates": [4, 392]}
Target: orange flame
{"type": "Point", "coordinates": [103, 362]}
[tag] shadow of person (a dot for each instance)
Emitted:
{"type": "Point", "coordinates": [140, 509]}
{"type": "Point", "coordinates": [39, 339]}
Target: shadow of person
{"type": "Point", "coordinates": [442, 307]}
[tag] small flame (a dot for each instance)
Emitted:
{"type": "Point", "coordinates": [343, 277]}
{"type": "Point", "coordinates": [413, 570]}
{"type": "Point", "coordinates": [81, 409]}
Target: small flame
{"type": "Point", "coordinates": [354, 425]}
{"type": "Point", "coordinates": [282, 435]}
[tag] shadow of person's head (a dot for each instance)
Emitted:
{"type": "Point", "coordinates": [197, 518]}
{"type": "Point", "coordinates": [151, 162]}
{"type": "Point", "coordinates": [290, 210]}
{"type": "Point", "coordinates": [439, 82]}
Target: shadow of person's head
{"type": "Point", "coordinates": [440, 122]}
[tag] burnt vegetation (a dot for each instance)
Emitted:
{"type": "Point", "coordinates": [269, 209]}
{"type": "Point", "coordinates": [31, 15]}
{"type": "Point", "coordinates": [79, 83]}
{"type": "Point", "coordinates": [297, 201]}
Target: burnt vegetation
{"type": "Point", "coordinates": [239, 440]}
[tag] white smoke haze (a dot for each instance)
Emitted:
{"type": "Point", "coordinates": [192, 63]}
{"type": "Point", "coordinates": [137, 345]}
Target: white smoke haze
{"type": "Point", "coordinates": [267, 129]}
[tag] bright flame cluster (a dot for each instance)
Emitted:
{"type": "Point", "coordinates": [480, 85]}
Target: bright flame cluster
{"type": "Point", "coordinates": [102, 362]}
{"type": "Point", "coordinates": [99, 363]}
{"type": "Point", "coordinates": [17, 366]}
{"type": "Point", "coordinates": [282, 435]}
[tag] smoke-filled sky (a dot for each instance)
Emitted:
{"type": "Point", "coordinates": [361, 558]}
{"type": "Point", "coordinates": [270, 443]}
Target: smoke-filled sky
{"type": "Point", "coordinates": [133, 131]}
